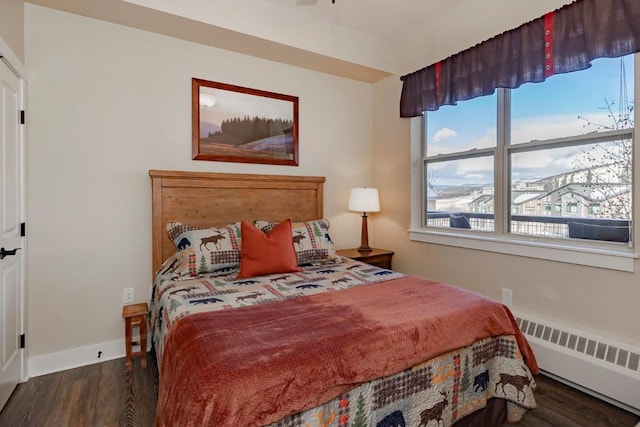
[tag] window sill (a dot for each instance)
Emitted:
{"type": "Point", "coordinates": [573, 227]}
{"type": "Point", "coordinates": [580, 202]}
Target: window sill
{"type": "Point", "coordinates": [622, 259]}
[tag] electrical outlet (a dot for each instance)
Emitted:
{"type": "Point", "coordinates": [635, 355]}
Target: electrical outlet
{"type": "Point", "coordinates": [507, 296]}
{"type": "Point", "coordinates": [128, 295]}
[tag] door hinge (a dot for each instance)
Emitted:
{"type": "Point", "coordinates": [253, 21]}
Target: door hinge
{"type": "Point", "coordinates": [23, 229]}
{"type": "Point", "coordinates": [22, 341]}
{"type": "Point", "coordinates": [21, 117]}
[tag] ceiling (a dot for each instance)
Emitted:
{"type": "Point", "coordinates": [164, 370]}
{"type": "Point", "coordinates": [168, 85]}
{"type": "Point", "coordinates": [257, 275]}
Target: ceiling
{"type": "Point", "coordinates": [390, 20]}
{"type": "Point", "coordinates": [364, 40]}
{"type": "Point", "coordinates": [411, 34]}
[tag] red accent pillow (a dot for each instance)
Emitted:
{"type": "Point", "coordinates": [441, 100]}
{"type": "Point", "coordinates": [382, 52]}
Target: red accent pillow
{"type": "Point", "coordinates": [271, 253]}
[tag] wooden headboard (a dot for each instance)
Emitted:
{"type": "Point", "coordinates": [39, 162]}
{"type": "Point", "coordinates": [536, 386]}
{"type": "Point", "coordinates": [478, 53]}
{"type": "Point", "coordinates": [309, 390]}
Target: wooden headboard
{"type": "Point", "coordinates": [206, 199]}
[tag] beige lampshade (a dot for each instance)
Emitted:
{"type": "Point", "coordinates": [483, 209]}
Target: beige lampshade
{"type": "Point", "coordinates": [364, 200]}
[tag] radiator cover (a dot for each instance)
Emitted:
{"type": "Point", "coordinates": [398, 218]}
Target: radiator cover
{"type": "Point", "coordinates": [603, 367]}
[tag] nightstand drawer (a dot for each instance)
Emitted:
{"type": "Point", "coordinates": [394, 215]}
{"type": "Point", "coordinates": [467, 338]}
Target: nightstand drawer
{"type": "Point", "coordinates": [378, 257]}
{"type": "Point", "coordinates": [383, 261]}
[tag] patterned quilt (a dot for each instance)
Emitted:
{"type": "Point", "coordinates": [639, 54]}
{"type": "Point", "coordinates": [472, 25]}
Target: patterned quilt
{"type": "Point", "coordinates": [438, 392]}
{"type": "Point", "coordinates": [174, 298]}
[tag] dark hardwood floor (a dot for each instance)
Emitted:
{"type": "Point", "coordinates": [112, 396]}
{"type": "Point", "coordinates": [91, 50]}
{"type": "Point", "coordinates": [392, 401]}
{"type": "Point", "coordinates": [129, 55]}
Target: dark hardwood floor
{"type": "Point", "coordinates": [104, 395]}
{"type": "Point", "coordinates": [96, 395]}
{"type": "Point", "coordinates": [562, 406]}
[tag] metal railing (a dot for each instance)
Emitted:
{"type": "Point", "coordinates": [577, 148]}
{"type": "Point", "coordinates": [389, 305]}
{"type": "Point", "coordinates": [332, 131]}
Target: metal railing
{"type": "Point", "coordinates": [543, 226]}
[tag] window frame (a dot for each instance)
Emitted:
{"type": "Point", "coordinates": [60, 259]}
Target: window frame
{"type": "Point", "coordinates": [573, 251]}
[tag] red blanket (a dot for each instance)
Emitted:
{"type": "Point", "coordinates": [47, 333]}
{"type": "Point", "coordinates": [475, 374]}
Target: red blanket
{"type": "Point", "coordinates": [254, 365]}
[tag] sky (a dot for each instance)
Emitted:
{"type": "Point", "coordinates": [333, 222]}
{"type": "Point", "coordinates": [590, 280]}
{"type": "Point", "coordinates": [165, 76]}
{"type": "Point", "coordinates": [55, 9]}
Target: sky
{"type": "Point", "coordinates": [539, 111]}
{"type": "Point", "coordinates": [217, 105]}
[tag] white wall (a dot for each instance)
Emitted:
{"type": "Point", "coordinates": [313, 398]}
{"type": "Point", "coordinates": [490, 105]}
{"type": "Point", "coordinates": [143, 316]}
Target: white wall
{"type": "Point", "coordinates": [599, 301]}
{"type": "Point", "coordinates": [106, 104]}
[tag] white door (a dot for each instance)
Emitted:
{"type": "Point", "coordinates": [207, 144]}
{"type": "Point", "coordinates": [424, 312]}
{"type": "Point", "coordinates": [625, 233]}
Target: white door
{"type": "Point", "coordinates": [11, 218]}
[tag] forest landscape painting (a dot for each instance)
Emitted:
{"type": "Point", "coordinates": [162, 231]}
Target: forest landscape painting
{"type": "Point", "coordinates": [238, 124]}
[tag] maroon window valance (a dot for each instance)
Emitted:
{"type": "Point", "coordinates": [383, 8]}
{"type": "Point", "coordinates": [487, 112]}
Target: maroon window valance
{"type": "Point", "coordinates": [564, 40]}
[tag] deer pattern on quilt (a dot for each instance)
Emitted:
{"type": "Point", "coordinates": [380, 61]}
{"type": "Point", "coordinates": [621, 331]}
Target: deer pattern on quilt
{"type": "Point", "coordinates": [423, 396]}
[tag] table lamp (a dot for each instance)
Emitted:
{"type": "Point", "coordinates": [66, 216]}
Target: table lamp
{"type": "Point", "coordinates": [364, 200]}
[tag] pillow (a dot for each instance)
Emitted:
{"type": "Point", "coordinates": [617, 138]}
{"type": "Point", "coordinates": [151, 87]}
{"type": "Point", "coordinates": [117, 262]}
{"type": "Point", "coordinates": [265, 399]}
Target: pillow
{"type": "Point", "coordinates": [458, 221]}
{"type": "Point", "coordinates": [205, 250]}
{"type": "Point", "coordinates": [610, 233]}
{"type": "Point", "coordinates": [270, 253]}
{"type": "Point", "coordinates": [311, 241]}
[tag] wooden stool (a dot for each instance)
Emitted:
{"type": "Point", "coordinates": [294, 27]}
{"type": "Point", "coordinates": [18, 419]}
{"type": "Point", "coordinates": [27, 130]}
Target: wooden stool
{"type": "Point", "coordinates": [135, 315]}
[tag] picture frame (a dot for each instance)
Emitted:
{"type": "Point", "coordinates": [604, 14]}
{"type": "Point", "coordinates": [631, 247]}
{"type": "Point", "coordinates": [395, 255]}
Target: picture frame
{"type": "Point", "coordinates": [238, 124]}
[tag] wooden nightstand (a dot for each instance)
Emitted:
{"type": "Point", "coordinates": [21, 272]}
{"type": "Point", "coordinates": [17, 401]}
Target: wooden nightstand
{"type": "Point", "coordinates": [378, 257]}
{"type": "Point", "coordinates": [135, 315]}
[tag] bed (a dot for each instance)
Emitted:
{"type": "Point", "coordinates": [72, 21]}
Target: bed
{"type": "Point", "coordinates": [325, 342]}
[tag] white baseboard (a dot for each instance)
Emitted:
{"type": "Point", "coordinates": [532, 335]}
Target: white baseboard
{"type": "Point", "coordinates": [76, 357]}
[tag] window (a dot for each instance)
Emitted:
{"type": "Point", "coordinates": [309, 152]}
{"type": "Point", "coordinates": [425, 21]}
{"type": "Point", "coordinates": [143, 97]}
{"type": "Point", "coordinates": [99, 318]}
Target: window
{"type": "Point", "coordinates": [540, 156]}
{"type": "Point", "coordinates": [459, 164]}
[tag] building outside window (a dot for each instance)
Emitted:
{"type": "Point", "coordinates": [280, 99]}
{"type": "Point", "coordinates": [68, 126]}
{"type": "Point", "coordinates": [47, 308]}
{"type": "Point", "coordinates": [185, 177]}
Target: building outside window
{"type": "Point", "coordinates": [529, 152]}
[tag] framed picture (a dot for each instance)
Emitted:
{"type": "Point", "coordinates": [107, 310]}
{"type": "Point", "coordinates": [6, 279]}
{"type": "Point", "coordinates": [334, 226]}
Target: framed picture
{"type": "Point", "coordinates": [237, 124]}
